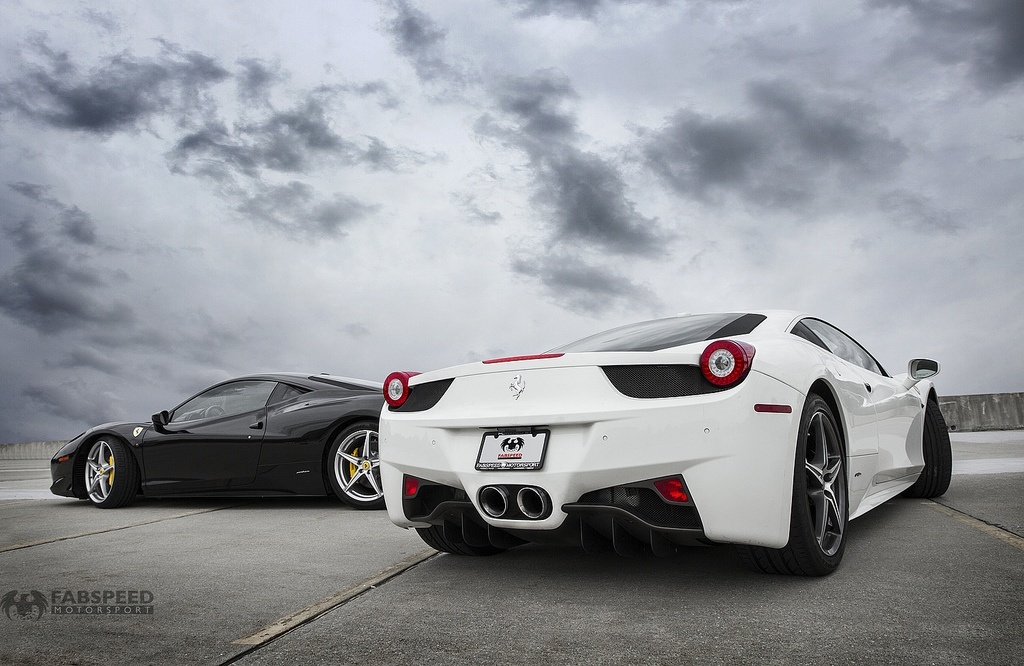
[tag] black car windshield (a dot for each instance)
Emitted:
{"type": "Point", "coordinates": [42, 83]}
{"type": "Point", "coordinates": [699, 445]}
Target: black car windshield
{"type": "Point", "coordinates": [665, 333]}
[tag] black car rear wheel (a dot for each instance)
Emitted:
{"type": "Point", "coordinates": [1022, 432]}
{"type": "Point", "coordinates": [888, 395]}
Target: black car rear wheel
{"type": "Point", "coordinates": [817, 530]}
{"type": "Point", "coordinates": [111, 475]}
{"type": "Point", "coordinates": [354, 466]}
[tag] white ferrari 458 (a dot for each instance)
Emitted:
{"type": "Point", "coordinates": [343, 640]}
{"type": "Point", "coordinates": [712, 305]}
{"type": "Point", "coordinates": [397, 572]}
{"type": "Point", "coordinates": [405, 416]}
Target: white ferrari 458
{"type": "Point", "coordinates": [768, 430]}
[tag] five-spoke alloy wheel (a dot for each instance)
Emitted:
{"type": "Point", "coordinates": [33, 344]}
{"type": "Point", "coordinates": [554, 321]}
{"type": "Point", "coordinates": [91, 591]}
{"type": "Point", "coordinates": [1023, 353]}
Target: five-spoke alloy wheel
{"type": "Point", "coordinates": [826, 482]}
{"type": "Point", "coordinates": [817, 525]}
{"type": "Point", "coordinates": [354, 467]}
{"type": "Point", "coordinates": [111, 475]}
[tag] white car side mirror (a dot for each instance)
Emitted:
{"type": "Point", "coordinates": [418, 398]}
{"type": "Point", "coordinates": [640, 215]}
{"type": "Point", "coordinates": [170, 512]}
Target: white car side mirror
{"type": "Point", "coordinates": [918, 369]}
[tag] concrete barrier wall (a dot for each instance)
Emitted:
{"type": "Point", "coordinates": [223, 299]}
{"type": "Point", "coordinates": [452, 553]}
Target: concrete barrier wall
{"type": "Point", "coordinates": [963, 413]}
{"type": "Point", "coordinates": [988, 411]}
{"type": "Point", "coordinates": [30, 450]}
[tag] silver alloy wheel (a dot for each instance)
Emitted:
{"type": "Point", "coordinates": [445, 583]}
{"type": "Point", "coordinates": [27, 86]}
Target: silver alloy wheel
{"type": "Point", "coordinates": [357, 466]}
{"type": "Point", "coordinates": [826, 483]}
{"type": "Point", "coordinates": [99, 471]}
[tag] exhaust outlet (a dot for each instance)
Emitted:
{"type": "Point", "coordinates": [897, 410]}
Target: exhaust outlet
{"type": "Point", "coordinates": [494, 501]}
{"type": "Point", "coordinates": [533, 502]}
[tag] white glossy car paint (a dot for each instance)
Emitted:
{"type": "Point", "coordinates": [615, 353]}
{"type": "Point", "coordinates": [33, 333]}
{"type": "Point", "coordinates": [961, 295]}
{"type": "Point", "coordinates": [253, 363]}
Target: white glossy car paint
{"type": "Point", "coordinates": [738, 464]}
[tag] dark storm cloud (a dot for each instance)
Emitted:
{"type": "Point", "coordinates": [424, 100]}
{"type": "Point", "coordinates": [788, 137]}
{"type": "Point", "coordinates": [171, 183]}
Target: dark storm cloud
{"type": "Point", "coordinates": [988, 34]}
{"type": "Point", "coordinates": [255, 80]}
{"type": "Point", "coordinates": [72, 400]}
{"type": "Point", "coordinates": [295, 207]}
{"type": "Point", "coordinates": [588, 197]}
{"type": "Point", "coordinates": [421, 41]}
{"type": "Point", "coordinates": [286, 141]}
{"type": "Point", "coordinates": [75, 224]}
{"type": "Point", "coordinates": [125, 92]}
{"type": "Point", "coordinates": [55, 284]}
{"type": "Point", "coordinates": [78, 226]}
{"type": "Point", "coordinates": [122, 93]}
{"type": "Point", "coordinates": [297, 140]}
{"type": "Point", "coordinates": [782, 155]}
{"type": "Point", "coordinates": [33, 191]}
{"type": "Point", "coordinates": [583, 194]}
{"type": "Point", "coordinates": [827, 132]}
{"type": "Point", "coordinates": [695, 153]}
{"type": "Point", "coordinates": [584, 288]}
{"type": "Point", "coordinates": [52, 292]}
{"type": "Point", "coordinates": [294, 140]}
{"type": "Point", "coordinates": [537, 106]}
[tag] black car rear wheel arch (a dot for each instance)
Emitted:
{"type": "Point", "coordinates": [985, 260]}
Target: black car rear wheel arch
{"type": "Point", "coordinates": [352, 465]}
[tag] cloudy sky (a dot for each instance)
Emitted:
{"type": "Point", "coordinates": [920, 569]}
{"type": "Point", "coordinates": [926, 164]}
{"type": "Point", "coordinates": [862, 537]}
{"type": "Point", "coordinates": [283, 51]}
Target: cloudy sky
{"type": "Point", "coordinates": [191, 191]}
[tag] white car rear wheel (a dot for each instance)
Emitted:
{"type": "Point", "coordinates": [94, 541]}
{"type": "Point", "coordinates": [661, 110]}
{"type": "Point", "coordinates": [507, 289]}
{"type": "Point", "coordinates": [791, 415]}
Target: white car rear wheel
{"type": "Point", "coordinates": [817, 531]}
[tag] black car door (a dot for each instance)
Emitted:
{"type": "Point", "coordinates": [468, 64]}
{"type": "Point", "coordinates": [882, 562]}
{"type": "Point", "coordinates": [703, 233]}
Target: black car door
{"type": "Point", "coordinates": [211, 442]}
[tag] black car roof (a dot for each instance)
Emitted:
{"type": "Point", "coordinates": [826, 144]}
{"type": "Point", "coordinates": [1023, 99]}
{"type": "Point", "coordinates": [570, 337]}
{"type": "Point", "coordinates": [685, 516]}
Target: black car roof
{"type": "Point", "coordinates": [314, 382]}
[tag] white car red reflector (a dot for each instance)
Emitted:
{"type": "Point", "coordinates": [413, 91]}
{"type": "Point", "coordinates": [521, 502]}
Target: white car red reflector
{"type": "Point", "coordinates": [773, 409]}
{"type": "Point", "coordinates": [672, 489]}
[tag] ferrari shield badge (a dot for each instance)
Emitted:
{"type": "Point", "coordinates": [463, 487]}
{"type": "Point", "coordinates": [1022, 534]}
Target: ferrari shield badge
{"type": "Point", "coordinates": [135, 433]}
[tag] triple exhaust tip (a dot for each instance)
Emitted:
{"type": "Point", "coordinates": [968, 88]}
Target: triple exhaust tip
{"type": "Point", "coordinates": [533, 502]}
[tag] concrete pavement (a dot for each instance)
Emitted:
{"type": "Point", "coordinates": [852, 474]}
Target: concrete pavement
{"type": "Point", "coordinates": [921, 583]}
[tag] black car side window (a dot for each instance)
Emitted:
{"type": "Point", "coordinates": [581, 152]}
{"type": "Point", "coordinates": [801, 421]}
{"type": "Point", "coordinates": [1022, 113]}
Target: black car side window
{"type": "Point", "coordinates": [285, 392]}
{"type": "Point", "coordinates": [225, 400]}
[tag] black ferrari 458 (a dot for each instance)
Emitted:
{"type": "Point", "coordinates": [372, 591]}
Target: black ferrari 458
{"type": "Point", "coordinates": [261, 435]}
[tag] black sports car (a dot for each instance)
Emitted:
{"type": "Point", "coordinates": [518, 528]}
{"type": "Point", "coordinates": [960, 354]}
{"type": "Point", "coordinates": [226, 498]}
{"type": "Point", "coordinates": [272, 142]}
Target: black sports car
{"type": "Point", "coordinates": [261, 435]}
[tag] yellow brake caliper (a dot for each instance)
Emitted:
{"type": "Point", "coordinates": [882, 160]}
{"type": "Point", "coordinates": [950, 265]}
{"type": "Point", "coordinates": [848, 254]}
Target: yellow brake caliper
{"type": "Point", "coordinates": [110, 479]}
{"type": "Point", "coordinates": [351, 466]}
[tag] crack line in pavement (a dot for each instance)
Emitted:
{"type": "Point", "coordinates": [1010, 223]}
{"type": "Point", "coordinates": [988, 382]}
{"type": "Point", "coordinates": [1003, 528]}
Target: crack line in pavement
{"type": "Point", "coordinates": [41, 542]}
{"type": "Point", "coordinates": [996, 531]}
{"type": "Point", "coordinates": [275, 630]}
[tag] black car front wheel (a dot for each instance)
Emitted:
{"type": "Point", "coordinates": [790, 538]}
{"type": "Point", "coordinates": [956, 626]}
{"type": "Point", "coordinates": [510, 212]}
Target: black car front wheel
{"type": "Point", "coordinates": [817, 530]}
{"type": "Point", "coordinates": [111, 475]}
{"type": "Point", "coordinates": [354, 466]}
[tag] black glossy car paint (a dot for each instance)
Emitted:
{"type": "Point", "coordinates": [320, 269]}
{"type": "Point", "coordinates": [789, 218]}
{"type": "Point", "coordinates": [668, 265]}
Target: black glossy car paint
{"type": "Point", "coordinates": [276, 450]}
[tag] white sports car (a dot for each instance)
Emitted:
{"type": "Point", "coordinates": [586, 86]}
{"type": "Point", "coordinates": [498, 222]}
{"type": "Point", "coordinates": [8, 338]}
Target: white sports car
{"type": "Point", "coordinates": [769, 430]}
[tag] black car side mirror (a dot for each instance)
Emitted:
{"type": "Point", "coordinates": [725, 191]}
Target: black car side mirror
{"type": "Point", "coordinates": [161, 419]}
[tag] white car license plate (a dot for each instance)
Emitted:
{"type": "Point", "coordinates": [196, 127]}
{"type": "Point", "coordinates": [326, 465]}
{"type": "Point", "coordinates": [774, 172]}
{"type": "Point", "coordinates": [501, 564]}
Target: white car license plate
{"type": "Point", "coordinates": [512, 451]}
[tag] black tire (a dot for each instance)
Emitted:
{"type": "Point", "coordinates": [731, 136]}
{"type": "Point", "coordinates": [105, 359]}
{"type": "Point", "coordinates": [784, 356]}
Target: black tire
{"type": "Point", "coordinates": [434, 537]}
{"type": "Point", "coordinates": [938, 456]}
{"type": "Point", "coordinates": [111, 474]}
{"type": "Point", "coordinates": [353, 466]}
{"type": "Point", "coordinates": [820, 509]}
